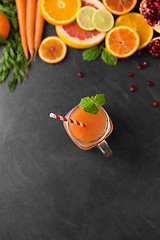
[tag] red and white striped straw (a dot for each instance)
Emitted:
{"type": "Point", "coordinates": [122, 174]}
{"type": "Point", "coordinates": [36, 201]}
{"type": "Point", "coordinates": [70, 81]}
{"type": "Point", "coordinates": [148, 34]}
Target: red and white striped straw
{"type": "Point", "coordinates": [69, 120]}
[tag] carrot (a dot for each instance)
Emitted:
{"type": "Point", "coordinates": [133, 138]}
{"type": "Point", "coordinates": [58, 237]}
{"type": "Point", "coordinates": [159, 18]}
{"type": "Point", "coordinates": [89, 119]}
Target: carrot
{"type": "Point", "coordinates": [21, 11]}
{"type": "Point", "coordinates": [30, 24]}
{"type": "Point", "coordinates": [38, 28]}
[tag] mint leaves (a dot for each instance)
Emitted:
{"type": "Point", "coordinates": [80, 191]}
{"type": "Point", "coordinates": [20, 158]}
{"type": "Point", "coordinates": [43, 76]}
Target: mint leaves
{"type": "Point", "coordinates": [93, 53]}
{"type": "Point", "coordinates": [89, 104]}
{"type": "Point", "coordinates": [108, 58]}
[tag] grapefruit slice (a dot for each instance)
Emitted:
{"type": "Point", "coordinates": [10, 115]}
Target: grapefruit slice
{"type": "Point", "coordinates": [76, 37]}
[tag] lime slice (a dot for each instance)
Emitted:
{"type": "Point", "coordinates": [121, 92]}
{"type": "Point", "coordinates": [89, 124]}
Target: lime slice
{"type": "Point", "coordinates": [84, 18]}
{"type": "Point", "coordinates": [102, 20]}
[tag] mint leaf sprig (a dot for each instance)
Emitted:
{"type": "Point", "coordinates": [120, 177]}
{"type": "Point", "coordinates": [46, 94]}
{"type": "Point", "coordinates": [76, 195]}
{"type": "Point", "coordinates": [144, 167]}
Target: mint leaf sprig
{"type": "Point", "coordinates": [93, 53]}
{"type": "Point", "coordinates": [89, 104]}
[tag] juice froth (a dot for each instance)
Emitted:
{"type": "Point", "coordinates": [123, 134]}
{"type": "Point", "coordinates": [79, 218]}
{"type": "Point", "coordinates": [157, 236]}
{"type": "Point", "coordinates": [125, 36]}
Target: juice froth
{"type": "Point", "coordinates": [96, 125]}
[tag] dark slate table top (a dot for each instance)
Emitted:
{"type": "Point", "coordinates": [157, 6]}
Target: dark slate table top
{"type": "Point", "coordinates": [51, 189]}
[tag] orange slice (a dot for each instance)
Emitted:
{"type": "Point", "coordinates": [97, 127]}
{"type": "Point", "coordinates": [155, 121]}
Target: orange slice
{"type": "Point", "coordinates": [119, 7]}
{"type": "Point", "coordinates": [122, 41]}
{"type": "Point", "coordinates": [60, 12]}
{"type": "Point", "coordinates": [52, 50]}
{"type": "Point", "coordinates": [136, 21]}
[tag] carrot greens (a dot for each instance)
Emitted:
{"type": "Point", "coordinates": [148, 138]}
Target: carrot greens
{"type": "Point", "coordinates": [13, 57]}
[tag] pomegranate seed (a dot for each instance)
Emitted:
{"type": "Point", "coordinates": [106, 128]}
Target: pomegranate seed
{"type": "Point", "coordinates": [139, 53]}
{"type": "Point", "coordinates": [80, 74]}
{"type": "Point", "coordinates": [155, 104]}
{"type": "Point", "coordinates": [154, 47]}
{"type": "Point", "coordinates": [150, 83]}
{"type": "Point", "coordinates": [159, 65]}
{"type": "Point", "coordinates": [130, 74]}
{"type": "Point", "coordinates": [132, 88]}
{"type": "Point", "coordinates": [139, 67]}
{"type": "Point", "coordinates": [151, 11]}
{"type": "Point", "coordinates": [145, 64]}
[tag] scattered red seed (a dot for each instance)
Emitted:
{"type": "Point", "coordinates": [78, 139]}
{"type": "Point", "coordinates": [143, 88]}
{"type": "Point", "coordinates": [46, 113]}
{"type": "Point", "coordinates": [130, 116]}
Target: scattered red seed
{"type": "Point", "coordinates": [139, 53]}
{"type": "Point", "coordinates": [132, 88]}
{"type": "Point", "coordinates": [159, 65]}
{"type": "Point", "coordinates": [139, 67]}
{"type": "Point", "coordinates": [130, 74]}
{"type": "Point", "coordinates": [145, 64]}
{"type": "Point", "coordinates": [80, 74]}
{"type": "Point", "coordinates": [155, 104]}
{"type": "Point", "coordinates": [150, 83]}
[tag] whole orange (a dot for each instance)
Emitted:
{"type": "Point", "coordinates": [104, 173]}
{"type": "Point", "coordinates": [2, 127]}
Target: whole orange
{"type": "Point", "coordinates": [4, 26]}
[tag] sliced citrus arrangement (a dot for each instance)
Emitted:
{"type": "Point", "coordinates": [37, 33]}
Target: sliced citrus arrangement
{"type": "Point", "coordinates": [119, 7]}
{"type": "Point", "coordinates": [52, 50]}
{"type": "Point", "coordinates": [76, 37]}
{"type": "Point", "coordinates": [136, 21]}
{"type": "Point", "coordinates": [84, 18]}
{"type": "Point", "coordinates": [60, 12]}
{"type": "Point", "coordinates": [122, 41]}
{"type": "Point", "coordinates": [102, 20]}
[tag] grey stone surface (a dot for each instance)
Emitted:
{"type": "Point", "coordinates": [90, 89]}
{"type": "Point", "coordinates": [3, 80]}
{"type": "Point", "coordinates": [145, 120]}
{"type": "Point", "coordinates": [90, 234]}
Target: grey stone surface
{"type": "Point", "coordinates": [51, 189]}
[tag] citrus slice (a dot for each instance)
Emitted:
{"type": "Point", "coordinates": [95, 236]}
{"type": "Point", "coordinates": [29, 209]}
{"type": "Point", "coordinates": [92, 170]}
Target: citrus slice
{"type": "Point", "coordinates": [136, 21]}
{"type": "Point", "coordinates": [60, 12]}
{"type": "Point", "coordinates": [102, 20]}
{"type": "Point", "coordinates": [122, 41]}
{"type": "Point", "coordinates": [119, 7]}
{"type": "Point", "coordinates": [76, 37]}
{"type": "Point", "coordinates": [52, 50]}
{"type": "Point", "coordinates": [84, 18]}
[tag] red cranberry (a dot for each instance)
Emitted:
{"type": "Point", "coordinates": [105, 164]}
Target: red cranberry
{"type": "Point", "coordinates": [132, 88]}
{"type": "Point", "coordinates": [155, 104]}
{"type": "Point", "coordinates": [139, 53]}
{"type": "Point", "coordinates": [145, 64]}
{"type": "Point", "coordinates": [80, 74]}
{"type": "Point", "coordinates": [130, 74]}
{"type": "Point", "coordinates": [139, 67]}
{"type": "Point", "coordinates": [150, 83]}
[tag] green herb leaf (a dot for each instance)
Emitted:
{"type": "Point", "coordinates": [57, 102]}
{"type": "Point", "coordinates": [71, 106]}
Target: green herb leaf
{"type": "Point", "coordinates": [108, 58]}
{"type": "Point", "coordinates": [12, 84]}
{"type": "Point", "coordinates": [2, 40]}
{"type": "Point", "coordinates": [100, 99]}
{"type": "Point", "coordinates": [91, 54]}
{"type": "Point", "coordinates": [89, 104]}
{"type": "Point", "coordinates": [85, 102]}
{"type": "Point", "coordinates": [92, 110]}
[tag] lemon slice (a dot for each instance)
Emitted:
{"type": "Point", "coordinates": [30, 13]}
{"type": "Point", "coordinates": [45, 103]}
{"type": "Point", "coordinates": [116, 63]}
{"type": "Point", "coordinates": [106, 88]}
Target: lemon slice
{"type": "Point", "coordinates": [102, 20]}
{"type": "Point", "coordinates": [84, 18]}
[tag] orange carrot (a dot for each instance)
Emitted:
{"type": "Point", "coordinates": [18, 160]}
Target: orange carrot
{"type": "Point", "coordinates": [38, 28]}
{"type": "Point", "coordinates": [30, 24]}
{"type": "Point", "coordinates": [21, 11]}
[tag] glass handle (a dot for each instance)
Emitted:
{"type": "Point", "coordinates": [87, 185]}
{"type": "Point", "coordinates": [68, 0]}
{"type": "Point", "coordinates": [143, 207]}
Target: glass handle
{"type": "Point", "coordinates": [105, 149]}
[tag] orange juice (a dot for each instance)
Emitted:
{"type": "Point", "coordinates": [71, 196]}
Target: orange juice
{"type": "Point", "coordinates": [96, 125]}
